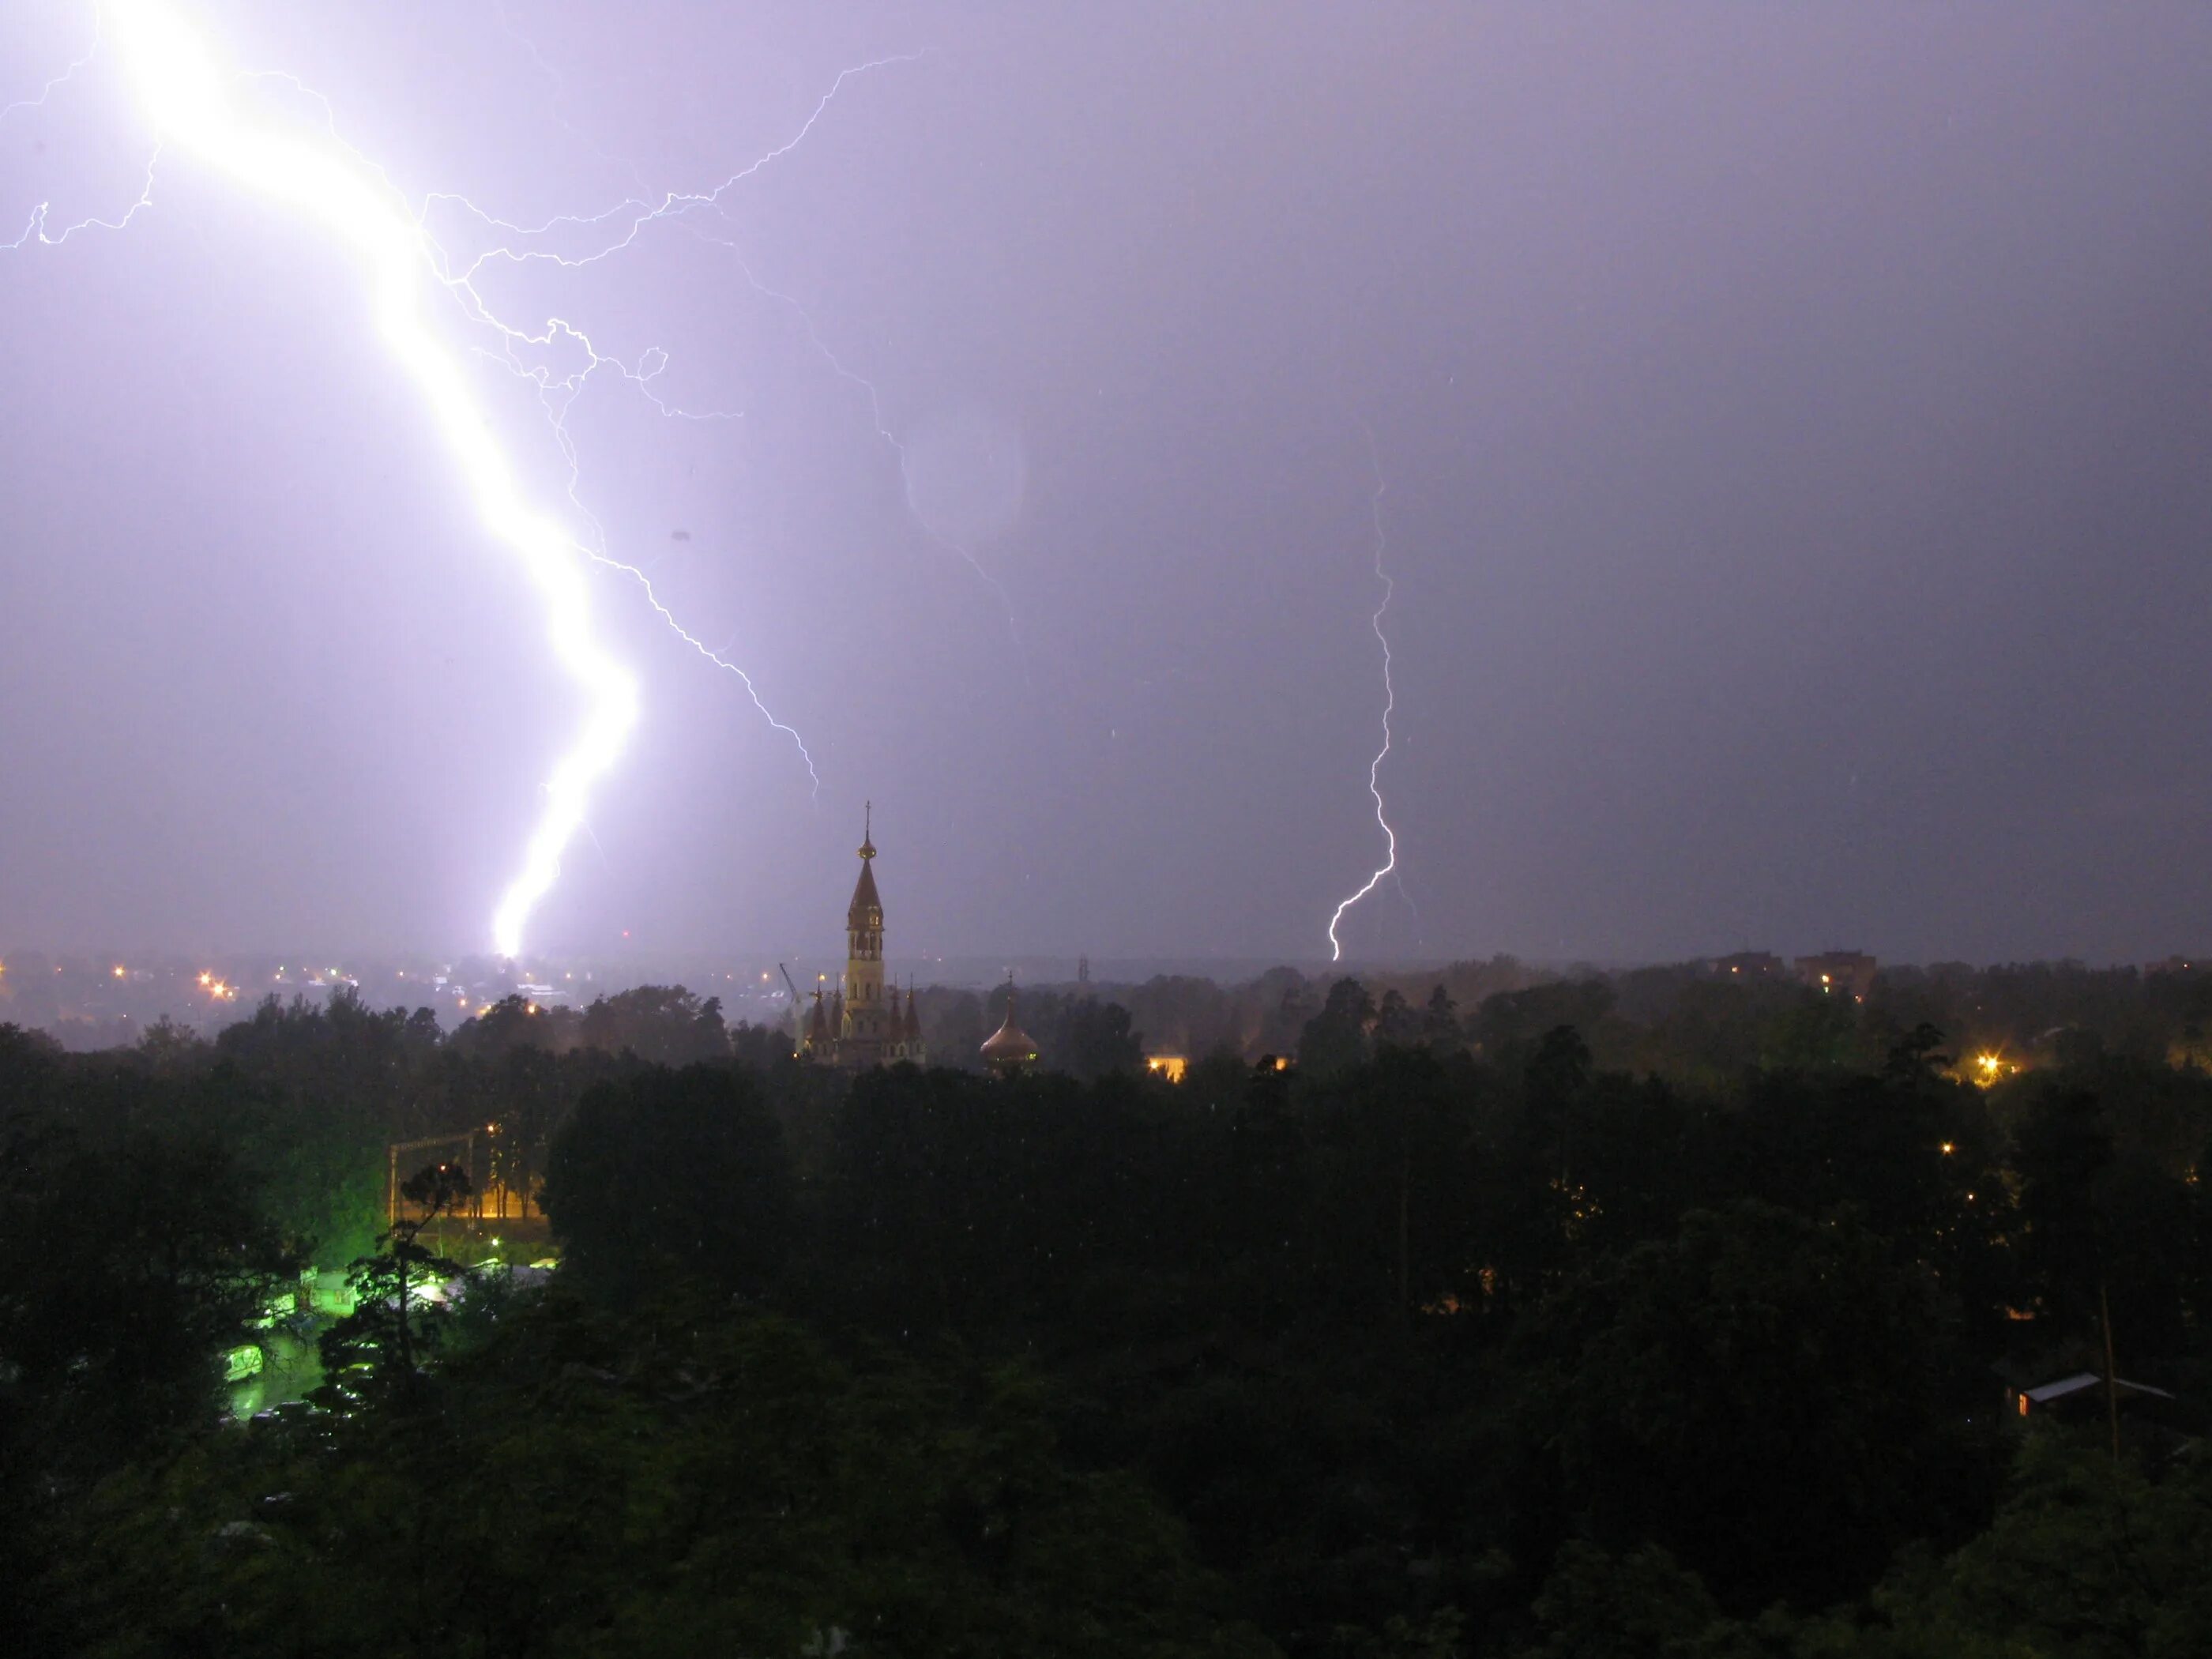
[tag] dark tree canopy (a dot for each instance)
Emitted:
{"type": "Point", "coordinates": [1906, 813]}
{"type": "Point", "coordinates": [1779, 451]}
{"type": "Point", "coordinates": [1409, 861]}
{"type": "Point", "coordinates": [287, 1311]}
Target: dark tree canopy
{"type": "Point", "coordinates": [1641, 1314]}
{"type": "Point", "coordinates": [678, 1174]}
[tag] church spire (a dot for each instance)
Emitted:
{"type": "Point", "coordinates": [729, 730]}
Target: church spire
{"type": "Point", "coordinates": [865, 915]}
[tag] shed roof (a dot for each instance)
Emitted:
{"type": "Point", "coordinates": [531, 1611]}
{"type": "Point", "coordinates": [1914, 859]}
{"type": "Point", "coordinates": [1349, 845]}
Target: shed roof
{"type": "Point", "coordinates": [2081, 1382]}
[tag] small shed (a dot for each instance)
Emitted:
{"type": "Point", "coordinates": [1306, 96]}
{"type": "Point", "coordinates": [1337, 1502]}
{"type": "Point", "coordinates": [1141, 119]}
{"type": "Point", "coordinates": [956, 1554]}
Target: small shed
{"type": "Point", "coordinates": [2084, 1391]}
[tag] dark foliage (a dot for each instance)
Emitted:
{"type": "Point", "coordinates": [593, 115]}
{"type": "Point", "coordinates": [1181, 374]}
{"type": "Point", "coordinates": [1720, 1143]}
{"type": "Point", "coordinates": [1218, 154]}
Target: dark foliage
{"type": "Point", "coordinates": [671, 1173]}
{"type": "Point", "coordinates": [1647, 1315]}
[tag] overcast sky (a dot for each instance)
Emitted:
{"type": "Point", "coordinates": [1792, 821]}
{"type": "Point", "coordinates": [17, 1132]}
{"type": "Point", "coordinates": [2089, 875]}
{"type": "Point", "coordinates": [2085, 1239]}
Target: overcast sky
{"type": "Point", "coordinates": [1792, 423]}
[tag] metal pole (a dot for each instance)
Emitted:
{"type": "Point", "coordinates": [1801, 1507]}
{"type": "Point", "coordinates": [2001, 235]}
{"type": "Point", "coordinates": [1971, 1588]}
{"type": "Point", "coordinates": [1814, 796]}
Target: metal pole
{"type": "Point", "coordinates": [2111, 1381]}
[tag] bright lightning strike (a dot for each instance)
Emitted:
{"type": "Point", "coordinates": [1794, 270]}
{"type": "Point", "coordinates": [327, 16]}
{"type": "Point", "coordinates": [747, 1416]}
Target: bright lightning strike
{"type": "Point", "coordinates": [184, 96]}
{"type": "Point", "coordinates": [557, 395]}
{"type": "Point", "coordinates": [1389, 864]}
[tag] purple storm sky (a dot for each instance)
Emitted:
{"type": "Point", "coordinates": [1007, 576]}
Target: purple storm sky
{"type": "Point", "coordinates": [1796, 423]}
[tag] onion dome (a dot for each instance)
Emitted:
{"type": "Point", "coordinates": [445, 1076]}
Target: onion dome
{"type": "Point", "coordinates": [1010, 1048]}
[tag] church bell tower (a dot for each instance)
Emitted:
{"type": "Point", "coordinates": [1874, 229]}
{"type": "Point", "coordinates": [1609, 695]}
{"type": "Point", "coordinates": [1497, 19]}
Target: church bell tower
{"type": "Point", "coordinates": [867, 1026]}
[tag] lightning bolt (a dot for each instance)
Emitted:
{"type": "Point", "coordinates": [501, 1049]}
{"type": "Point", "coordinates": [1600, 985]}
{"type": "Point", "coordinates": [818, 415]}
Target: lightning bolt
{"type": "Point", "coordinates": [185, 95]}
{"type": "Point", "coordinates": [36, 229]}
{"type": "Point", "coordinates": [54, 82]}
{"type": "Point", "coordinates": [1389, 865]}
{"type": "Point", "coordinates": [638, 212]}
{"type": "Point", "coordinates": [629, 218]}
{"type": "Point", "coordinates": [182, 92]}
{"type": "Point", "coordinates": [557, 396]}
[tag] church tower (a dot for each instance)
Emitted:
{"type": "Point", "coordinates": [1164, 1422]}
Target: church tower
{"type": "Point", "coordinates": [866, 1030]}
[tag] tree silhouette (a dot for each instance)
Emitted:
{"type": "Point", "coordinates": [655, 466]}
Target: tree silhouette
{"type": "Point", "coordinates": [377, 1345]}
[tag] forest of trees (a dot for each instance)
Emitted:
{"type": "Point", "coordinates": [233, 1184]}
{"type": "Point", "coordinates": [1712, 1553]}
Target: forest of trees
{"type": "Point", "coordinates": [1606, 1316]}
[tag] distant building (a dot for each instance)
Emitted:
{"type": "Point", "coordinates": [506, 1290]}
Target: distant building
{"type": "Point", "coordinates": [2084, 1393]}
{"type": "Point", "coordinates": [1750, 964]}
{"type": "Point", "coordinates": [1009, 1049]}
{"type": "Point", "coordinates": [1838, 973]}
{"type": "Point", "coordinates": [860, 1023]}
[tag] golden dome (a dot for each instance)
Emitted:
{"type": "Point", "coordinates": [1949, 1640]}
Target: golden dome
{"type": "Point", "coordinates": [1009, 1046]}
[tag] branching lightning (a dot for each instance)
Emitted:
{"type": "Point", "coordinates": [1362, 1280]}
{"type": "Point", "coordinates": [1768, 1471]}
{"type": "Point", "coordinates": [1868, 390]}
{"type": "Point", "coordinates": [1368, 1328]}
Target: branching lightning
{"type": "Point", "coordinates": [557, 395]}
{"type": "Point", "coordinates": [186, 97]}
{"type": "Point", "coordinates": [628, 220]}
{"type": "Point", "coordinates": [36, 229]}
{"type": "Point", "coordinates": [639, 213]}
{"type": "Point", "coordinates": [54, 82]}
{"type": "Point", "coordinates": [1389, 864]}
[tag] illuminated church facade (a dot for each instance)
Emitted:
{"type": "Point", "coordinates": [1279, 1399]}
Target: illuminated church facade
{"type": "Point", "coordinates": [860, 1022]}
